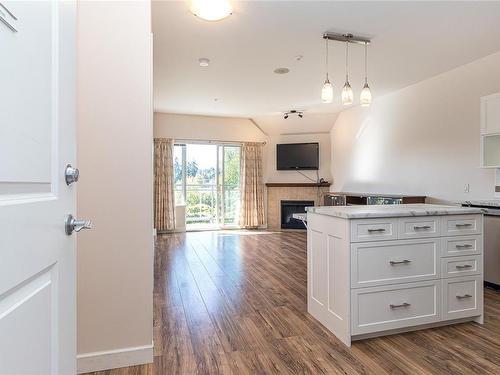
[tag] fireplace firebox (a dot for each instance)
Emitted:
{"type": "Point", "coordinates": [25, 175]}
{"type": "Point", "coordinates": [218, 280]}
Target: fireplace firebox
{"type": "Point", "coordinates": [288, 208]}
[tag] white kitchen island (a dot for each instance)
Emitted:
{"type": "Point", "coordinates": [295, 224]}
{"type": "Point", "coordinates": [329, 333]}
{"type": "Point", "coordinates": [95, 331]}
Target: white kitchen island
{"type": "Point", "coordinates": [377, 270]}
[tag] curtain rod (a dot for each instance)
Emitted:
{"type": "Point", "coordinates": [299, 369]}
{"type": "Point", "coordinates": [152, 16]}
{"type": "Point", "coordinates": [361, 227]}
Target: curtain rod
{"type": "Point", "coordinates": [187, 140]}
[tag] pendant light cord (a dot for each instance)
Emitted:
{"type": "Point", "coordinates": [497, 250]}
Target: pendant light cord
{"type": "Point", "coordinates": [347, 61]}
{"type": "Point", "coordinates": [326, 60]}
{"type": "Point", "coordinates": [366, 59]}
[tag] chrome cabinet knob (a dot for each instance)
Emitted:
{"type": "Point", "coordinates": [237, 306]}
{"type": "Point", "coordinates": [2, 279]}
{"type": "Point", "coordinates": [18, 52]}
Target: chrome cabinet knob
{"type": "Point", "coordinates": [74, 225]}
{"type": "Point", "coordinates": [71, 174]}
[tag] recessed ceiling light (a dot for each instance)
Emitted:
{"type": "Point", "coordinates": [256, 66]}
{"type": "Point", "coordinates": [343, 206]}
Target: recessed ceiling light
{"type": "Point", "coordinates": [281, 70]}
{"type": "Point", "coordinates": [299, 57]}
{"type": "Point", "coordinates": [204, 61]}
{"type": "Point", "coordinates": [211, 10]}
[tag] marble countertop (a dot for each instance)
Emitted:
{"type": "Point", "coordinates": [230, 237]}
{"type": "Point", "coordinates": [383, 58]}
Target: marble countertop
{"type": "Point", "coordinates": [396, 210]}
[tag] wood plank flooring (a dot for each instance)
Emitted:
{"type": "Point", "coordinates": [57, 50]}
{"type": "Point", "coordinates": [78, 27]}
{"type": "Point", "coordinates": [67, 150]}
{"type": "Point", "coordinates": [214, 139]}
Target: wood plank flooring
{"type": "Point", "coordinates": [235, 303]}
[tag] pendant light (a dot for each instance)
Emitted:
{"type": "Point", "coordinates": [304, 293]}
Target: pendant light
{"type": "Point", "coordinates": [366, 96]}
{"type": "Point", "coordinates": [347, 94]}
{"type": "Point", "coordinates": [327, 90]}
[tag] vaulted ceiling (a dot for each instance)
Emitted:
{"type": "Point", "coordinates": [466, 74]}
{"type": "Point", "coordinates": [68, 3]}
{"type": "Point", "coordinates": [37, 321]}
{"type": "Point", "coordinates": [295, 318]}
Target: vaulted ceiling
{"type": "Point", "coordinates": [411, 41]}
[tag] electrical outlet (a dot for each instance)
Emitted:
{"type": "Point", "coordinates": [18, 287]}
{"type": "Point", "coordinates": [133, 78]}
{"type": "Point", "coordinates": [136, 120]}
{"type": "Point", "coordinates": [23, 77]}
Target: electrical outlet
{"type": "Point", "coordinates": [466, 188]}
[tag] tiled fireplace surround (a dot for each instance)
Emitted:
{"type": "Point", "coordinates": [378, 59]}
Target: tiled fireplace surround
{"type": "Point", "coordinates": [277, 192]}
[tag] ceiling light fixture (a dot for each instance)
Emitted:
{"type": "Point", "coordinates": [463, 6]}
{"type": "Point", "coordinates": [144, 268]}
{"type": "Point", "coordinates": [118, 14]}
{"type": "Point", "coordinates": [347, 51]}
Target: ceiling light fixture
{"type": "Point", "coordinates": [347, 93]}
{"type": "Point", "coordinates": [366, 96]}
{"type": "Point", "coordinates": [327, 90]}
{"type": "Point", "coordinates": [211, 10]}
{"type": "Point", "coordinates": [204, 62]}
{"type": "Point", "coordinates": [300, 114]}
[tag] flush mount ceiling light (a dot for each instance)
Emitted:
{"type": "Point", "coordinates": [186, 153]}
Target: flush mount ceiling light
{"type": "Point", "coordinates": [300, 114]}
{"type": "Point", "coordinates": [204, 62]}
{"type": "Point", "coordinates": [211, 10]}
{"type": "Point", "coordinates": [347, 93]}
{"type": "Point", "coordinates": [327, 90]}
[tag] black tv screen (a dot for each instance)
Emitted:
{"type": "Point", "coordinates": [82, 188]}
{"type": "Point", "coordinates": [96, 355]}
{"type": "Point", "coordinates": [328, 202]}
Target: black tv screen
{"type": "Point", "coordinates": [296, 156]}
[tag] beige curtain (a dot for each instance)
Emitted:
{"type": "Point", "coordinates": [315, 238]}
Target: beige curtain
{"type": "Point", "coordinates": [164, 184]}
{"type": "Point", "coordinates": [252, 188]}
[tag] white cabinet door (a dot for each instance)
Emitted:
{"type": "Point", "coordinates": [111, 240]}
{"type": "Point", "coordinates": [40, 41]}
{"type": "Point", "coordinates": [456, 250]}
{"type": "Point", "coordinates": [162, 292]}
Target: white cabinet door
{"type": "Point", "coordinates": [37, 140]}
{"type": "Point", "coordinates": [490, 114]}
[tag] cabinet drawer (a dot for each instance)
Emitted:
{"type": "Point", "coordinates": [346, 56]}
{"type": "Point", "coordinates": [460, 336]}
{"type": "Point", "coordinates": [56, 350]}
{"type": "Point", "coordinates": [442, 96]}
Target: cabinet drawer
{"type": "Point", "coordinates": [463, 297]}
{"type": "Point", "coordinates": [396, 306]}
{"type": "Point", "coordinates": [374, 229]}
{"type": "Point", "coordinates": [461, 266]}
{"type": "Point", "coordinates": [419, 227]}
{"type": "Point", "coordinates": [463, 245]}
{"type": "Point", "coordinates": [457, 225]}
{"type": "Point", "coordinates": [390, 262]}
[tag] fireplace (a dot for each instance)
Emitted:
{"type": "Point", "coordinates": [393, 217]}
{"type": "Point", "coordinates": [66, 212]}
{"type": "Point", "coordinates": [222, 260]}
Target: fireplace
{"type": "Point", "coordinates": [288, 208]}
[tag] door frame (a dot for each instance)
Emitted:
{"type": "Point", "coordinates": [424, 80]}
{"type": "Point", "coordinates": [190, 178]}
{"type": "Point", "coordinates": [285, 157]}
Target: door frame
{"type": "Point", "coordinates": [219, 181]}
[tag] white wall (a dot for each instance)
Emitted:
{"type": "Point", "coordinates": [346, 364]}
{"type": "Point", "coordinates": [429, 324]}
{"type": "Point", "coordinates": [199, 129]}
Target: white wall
{"type": "Point", "coordinates": [115, 136]}
{"type": "Point", "coordinates": [238, 129]}
{"type": "Point", "coordinates": [423, 139]}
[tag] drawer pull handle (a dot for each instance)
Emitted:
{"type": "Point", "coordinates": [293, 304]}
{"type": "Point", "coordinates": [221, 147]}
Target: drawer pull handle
{"type": "Point", "coordinates": [376, 230]}
{"type": "Point", "coordinates": [464, 246]}
{"type": "Point", "coordinates": [395, 262]}
{"type": "Point", "coordinates": [463, 225]}
{"type": "Point", "coordinates": [464, 296]}
{"type": "Point", "coordinates": [405, 304]}
{"type": "Point", "coordinates": [422, 227]}
{"type": "Point", "coordinates": [465, 266]}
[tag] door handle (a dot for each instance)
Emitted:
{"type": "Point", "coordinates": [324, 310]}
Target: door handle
{"type": "Point", "coordinates": [73, 225]}
{"type": "Point", "coordinates": [71, 174]}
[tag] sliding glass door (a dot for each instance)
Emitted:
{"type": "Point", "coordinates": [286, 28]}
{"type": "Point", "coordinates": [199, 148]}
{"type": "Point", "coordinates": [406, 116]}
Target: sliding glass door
{"type": "Point", "coordinates": [207, 178]}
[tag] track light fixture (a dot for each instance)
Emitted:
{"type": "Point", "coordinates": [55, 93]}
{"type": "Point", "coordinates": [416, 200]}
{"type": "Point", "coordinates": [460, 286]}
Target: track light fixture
{"type": "Point", "coordinates": [347, 93]}
{"type": "Point", "coordinates": [300, 114]}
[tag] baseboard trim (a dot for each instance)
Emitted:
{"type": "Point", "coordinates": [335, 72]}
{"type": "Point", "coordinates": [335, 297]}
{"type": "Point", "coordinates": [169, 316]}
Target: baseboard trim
{"type": "Point", "coordinates": [108, 359]}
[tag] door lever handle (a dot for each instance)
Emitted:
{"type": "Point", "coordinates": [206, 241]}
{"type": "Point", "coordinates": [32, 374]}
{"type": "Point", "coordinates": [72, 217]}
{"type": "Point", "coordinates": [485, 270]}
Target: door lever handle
{"type": "Point", "coordinates": [75, 225]}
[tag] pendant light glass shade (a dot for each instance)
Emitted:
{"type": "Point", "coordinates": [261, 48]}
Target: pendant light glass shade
{"type": "Point", "coordinates": [366, 96]}
{"type": "Point", "coordinates": [327, 90]}
{"type": "Point", "coordinates": [347, 94]}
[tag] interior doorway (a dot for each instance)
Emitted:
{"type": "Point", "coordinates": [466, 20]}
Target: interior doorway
{"type": "Point", "coordinates": [207, 183]}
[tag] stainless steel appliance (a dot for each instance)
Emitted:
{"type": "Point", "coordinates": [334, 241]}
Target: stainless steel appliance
{"type": "Point", "coordinates": [491, 241]}
{"type": "Point", "coordinates": [355, 199]}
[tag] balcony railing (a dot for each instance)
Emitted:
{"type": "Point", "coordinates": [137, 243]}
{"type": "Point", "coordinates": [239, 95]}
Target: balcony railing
{"type": "Point", "coordinates": [202, 200]}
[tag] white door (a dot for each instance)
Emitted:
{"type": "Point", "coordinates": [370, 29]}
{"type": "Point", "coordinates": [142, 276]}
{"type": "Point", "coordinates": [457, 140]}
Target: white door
{"type": "Point", "coordinates": [37, 140]}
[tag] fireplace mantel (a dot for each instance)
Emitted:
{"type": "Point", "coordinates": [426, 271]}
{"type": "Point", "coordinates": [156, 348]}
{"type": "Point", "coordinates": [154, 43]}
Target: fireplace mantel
{"type": "Point", "coordinates": [298, 184]}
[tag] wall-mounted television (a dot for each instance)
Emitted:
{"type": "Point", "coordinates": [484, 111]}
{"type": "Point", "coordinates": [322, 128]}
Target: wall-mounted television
{"type": "Point", "coordinates": [297, 156]}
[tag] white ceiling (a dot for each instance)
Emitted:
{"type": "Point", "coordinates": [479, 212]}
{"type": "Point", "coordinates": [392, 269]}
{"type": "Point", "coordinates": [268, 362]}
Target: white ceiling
{"type": "Point", "coordinates": [411, 41]}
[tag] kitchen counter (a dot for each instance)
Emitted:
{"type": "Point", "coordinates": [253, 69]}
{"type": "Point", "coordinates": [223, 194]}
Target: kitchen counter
{"type": "Point", "coordinates": [377, 270]}
{"type": "Point", "coordinates": [396, 210]}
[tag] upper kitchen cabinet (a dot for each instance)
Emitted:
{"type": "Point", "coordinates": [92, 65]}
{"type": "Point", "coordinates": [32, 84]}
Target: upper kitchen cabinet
{"type": "Point", "coordinates": [490, 114]}
{"type": "Point", "coordinates": [490, 131]}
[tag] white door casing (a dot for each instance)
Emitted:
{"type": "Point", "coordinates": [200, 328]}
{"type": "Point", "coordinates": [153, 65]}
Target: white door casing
{"type": "Point", "coordinates": [37, 140]}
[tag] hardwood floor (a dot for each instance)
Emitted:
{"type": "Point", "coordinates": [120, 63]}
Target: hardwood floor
{"type": "Point", "coordinates": [235, 303]}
